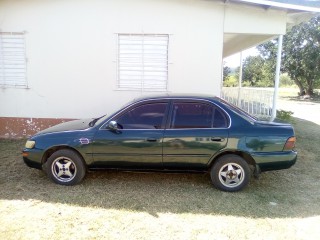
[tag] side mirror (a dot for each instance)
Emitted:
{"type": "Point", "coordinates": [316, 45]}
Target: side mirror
{"type": "Point", "coordinates": [113, 126]}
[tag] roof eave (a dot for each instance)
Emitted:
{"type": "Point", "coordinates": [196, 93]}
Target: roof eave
{"type": "Point", "coordinates": [281, 5]}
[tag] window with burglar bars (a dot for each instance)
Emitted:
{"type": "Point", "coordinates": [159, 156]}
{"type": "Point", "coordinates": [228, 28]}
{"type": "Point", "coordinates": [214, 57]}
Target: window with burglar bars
{"type": "Point", "coordinates": [12, 59]}
{"type": "Point", "coordinates": [143, 62]}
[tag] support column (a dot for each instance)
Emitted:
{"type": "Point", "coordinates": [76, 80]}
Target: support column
{"type": "Point", "coordinates": [277, 78]}
{"type": "Point", "coordinates": [240, 81]}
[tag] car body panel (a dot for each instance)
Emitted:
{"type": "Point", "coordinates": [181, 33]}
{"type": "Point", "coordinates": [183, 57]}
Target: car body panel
{"type": "Point", "coordinates": [192, 148]}
{"type": "Point", "coordinates": [275, 160]}
{"type": "Point", "coordinates": [33, 158]}
{"type": "Point", "coordinates": [165, 148]}
{"type": "Point", "coordinates": [79, 140]}
{"type": "Point", "coordinates": [131, 149]}
{"type": "Point", "coordinates": [74, 125]}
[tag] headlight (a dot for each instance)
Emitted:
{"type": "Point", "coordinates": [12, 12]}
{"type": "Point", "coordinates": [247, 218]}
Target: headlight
{"type": "Point", "coordinates": [30, 144]}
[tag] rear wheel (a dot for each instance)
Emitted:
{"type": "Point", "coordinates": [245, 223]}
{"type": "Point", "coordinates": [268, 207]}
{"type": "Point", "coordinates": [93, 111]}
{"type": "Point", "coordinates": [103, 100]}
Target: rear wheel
{"type": "Point", "coordinates": [230, 173]}
{"type": "Point", "coordinates": [65, 167]}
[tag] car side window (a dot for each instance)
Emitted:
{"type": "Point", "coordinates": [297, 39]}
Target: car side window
{"type": "Point", "coordinates": [197, 115]}
{"type": "Point", "coordinates": [220, 120]}
{"type": "Point", "coordinates": [147, 116]}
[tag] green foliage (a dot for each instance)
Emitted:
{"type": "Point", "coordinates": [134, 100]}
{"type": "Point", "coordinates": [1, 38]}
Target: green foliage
{"type": "Point", "coordinates": [286, 81]}
{"type": "Point", "coordinates": [252, 69]}
{"type": "Point", "coordinates": [300, 56]}
{"type": "Point", "coordinates": [284, 115]}
{"type": "Point", "coordinates": [231, 81]}
{"type": "Point", "coordinates": [226, 73]}
{"type": "Point", "coordinates": [236, 73]}
{"type": "Point", "coordinates": [230, 77]}
{"type": "Point", "coordinates": [257, 72]}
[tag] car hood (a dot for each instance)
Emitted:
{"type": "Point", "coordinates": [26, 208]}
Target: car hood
{"type": "Point", "coordinates": [81, 124]}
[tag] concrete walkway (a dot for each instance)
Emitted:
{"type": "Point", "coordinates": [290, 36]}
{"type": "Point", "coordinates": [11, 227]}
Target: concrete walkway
{"type": "Point", "coordinates": [306, 109]}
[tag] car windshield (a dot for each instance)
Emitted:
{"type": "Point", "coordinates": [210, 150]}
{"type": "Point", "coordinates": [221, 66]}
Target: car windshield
{"type": "Point", "coordinates": [104, 117]}
{"type": "Point", "coordinates": [239, 111]}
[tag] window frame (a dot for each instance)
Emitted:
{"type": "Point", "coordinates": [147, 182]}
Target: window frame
{"type": "Point", "coordinates": [122, 86]}
{"type": "Point", "coordinates": [15, 83]}
{"type": "Point", "coordinates": [128, 109]}
{"type": "Point", "coordinates": [211, 104]}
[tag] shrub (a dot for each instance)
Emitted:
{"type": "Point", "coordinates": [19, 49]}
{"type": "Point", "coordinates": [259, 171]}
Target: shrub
{"type": "Point", "coordinates": [284, 115]}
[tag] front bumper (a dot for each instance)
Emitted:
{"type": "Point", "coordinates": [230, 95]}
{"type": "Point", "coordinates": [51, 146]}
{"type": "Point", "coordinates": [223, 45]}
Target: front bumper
{"type": "Point", "coordinates": [275, 160]}
{"type": "Point", "coordinates": [32, 157]}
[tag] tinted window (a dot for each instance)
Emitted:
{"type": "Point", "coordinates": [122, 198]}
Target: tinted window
{"type": "Point", "coordinates": [197, 115]}
{"type": "Point", "coordinates": [148, 116]}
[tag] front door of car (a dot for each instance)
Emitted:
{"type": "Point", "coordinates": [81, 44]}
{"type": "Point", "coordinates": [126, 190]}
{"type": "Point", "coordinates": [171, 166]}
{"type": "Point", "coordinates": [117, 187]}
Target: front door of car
{"type": "Point", "coordinates": [195, 132]}
{"type": "Point", "coordinates": [136, 140]}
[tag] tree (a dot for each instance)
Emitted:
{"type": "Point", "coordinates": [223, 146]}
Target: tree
{"type": "Point", "coordinates": [300, 55]}
{"type": "Point", "coordinates": [252, 69]}
{"type": "Point", "coordinates": [257, 72]}
{"type": "Point", "coordinates": [226, 73]}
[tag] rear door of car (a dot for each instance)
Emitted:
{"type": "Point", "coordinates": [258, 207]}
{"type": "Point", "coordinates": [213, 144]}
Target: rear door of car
{"type": "Point", "coordinates": [137, 144]}
{"type": "Point", "coordinates": [195, 131]}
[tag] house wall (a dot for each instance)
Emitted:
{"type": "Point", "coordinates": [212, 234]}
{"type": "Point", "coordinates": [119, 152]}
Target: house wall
{"type": "Point", "coordinates": [261, 21]}
{"type": "Point", "coordinates": [71, 50]}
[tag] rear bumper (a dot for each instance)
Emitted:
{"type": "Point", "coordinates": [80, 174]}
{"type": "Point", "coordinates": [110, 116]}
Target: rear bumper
{"type": "Point", "coordinates": [275, 160]}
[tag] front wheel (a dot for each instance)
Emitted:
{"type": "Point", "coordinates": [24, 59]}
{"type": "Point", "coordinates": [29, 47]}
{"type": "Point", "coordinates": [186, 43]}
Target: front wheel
{"type": "Point", "coordinates": [230, 173]}
{"type": "Point", "coordinates": [65, 167]}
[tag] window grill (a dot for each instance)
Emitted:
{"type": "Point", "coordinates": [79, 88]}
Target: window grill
{"type": "Point", "coordinates": [143, 62]}
{"type": "Point", "coordinates": [12, 59]}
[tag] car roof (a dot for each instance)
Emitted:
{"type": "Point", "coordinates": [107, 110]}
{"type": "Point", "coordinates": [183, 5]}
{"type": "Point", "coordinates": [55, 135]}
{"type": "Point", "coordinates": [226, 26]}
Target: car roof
{"type": "Point", "coordinates": [177, 96]}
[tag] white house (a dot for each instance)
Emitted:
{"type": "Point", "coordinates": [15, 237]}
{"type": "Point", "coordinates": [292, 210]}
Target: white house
{"type": "Point", "coordinates": [70, 59]}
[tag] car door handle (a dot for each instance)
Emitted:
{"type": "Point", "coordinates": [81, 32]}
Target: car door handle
{"type": "Point", "coordinates": [151, 139]}
{"type": "Point", "coordinates": [217, 139]}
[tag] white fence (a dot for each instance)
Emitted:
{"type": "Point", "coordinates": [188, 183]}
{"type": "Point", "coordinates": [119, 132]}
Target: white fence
{"type": "Point", "coordinates": [256, 101]}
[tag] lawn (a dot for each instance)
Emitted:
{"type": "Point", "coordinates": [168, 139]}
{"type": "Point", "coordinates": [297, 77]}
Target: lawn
{"type": "Point", "coordinates": [118, 205]}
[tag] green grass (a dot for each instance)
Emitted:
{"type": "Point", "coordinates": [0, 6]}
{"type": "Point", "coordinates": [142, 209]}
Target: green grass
{"type": "Point", "coordinates": [119, 205]}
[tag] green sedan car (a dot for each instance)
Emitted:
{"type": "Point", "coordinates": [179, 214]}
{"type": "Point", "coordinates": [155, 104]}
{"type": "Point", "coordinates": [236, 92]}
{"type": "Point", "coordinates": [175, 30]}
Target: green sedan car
{"type": "Point", "coordinates": [166, 133]}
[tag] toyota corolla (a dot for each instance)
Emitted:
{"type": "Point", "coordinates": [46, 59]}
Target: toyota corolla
{"type": "Point", "coordinates": [166, 133]}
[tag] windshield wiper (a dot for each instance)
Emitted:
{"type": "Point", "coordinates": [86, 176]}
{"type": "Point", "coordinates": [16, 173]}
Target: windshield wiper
{"type": "Point", "coordinates": [93, 122]}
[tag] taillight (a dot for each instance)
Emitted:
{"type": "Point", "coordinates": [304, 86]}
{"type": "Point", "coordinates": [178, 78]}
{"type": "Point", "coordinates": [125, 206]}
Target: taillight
{"type": "Point", "coordinates": [290, 144]}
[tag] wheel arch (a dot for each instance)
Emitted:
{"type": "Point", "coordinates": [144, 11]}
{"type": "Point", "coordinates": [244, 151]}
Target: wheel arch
{"type": "Point", "coordinates": [244, 155]}
{"type": "Point", "coordinates": [53, 149]}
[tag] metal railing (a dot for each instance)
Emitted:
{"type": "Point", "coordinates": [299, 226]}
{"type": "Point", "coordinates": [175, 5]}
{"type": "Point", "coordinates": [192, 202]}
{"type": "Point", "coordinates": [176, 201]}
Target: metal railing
{"type": "Point", "coordinates": [256, 101]}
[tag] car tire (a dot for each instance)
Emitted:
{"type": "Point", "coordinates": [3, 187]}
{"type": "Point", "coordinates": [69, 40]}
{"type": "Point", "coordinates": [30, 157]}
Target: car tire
{"type": "Point", "coordinates": [65, 167]}
{"type": "Point", "coordinates": [230, 173]}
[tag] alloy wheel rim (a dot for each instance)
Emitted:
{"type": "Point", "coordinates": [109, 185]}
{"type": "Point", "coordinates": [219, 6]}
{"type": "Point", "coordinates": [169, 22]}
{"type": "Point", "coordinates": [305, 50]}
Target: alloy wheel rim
{"type": "Point", "coordinates": [63, 169]}
{"type": "Point", "coordinates": [231, 175]}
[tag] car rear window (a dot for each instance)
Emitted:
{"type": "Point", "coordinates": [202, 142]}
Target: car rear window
{"type": "Point", "coordinates": [239, 111]}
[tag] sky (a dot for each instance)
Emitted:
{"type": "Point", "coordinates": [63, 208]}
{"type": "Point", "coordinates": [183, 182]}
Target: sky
{"type": "Point", "coordinates": [233, 61]}
{"type": "Point", "coordinates": [309, 3]}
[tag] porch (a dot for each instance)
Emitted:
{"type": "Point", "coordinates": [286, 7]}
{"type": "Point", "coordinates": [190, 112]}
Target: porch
{"type": "Point", "coordinates": [256, 101]}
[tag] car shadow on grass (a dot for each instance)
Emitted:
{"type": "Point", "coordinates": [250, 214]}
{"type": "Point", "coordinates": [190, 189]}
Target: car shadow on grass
{"type": "Point", "coordinates": [291, 193]}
